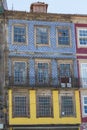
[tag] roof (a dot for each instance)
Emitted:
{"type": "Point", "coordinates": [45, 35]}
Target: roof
{"type": "Point", "coordinates": [23, 15]}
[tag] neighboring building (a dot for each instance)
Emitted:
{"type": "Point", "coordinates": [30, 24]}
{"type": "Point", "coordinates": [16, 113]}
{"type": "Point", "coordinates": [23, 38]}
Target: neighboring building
{"type": "Point", "coordinates": [81, 40]}
{"type": "Point", "coordinates": [2, 61]}
{"type": "Point", "coordinates": [42, 82]}
{"type": "Point", "coordinates": [3, 6]}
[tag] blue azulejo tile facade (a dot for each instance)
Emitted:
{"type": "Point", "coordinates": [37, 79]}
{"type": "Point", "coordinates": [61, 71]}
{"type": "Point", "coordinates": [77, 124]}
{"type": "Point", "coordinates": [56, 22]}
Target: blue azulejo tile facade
{"type": "Point", "coordinates": [32, 52]}
{"type": "Point", "coordinates": [31, 37]}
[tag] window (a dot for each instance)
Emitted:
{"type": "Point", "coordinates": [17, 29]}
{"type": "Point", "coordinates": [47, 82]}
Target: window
{"type": "Point", "coordinates": [84, 74]}
{"type": "Point", "coordinates": [44, 104]}
{"type": "Point", "coordinates": [20, 104]}
{"type": "Point", "coordinates": [20, 73]}
{"type": "Point", "coordinates": [63, 36]}
{"type": "Point", "coordinates": [85, 105]}
{"type": "Point", "coordinates": [67, 107]}
{"type": "Point", "coordinates": [42, 72]}
{"type": "Point", "coordinates": [82, 36]}
{"type": "Point", "coordinates": [65, 73]}
{"type": "Point", "coordinates": [19, 34]}
{"type": "Point", "coordinates": [65, 70]}
{"type": "Point", "coordinates": [42, 36]}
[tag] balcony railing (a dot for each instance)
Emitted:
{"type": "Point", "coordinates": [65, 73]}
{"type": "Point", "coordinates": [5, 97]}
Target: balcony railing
{"type": "Point", "coordinates": [3, 116]}
{"type": "Point", "coordinates": [52, 83]}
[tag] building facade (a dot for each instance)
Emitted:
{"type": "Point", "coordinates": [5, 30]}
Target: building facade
{"type": "Point", "coordinates": [81, 28]}
{"type": "Point", "coordinates": [41, 71]}
{"type": "Point", "coordinates": [3, 6]}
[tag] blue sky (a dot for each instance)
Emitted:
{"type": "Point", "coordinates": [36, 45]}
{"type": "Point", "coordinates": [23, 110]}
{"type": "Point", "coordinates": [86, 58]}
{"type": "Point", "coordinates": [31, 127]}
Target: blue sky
{"type": "Point", "coordinates": [54, 6]}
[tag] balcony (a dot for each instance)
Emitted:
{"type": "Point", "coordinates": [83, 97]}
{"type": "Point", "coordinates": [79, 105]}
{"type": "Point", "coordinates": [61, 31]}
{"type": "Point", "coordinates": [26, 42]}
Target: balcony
{"type": "Point", "coordinates": [51, 83]}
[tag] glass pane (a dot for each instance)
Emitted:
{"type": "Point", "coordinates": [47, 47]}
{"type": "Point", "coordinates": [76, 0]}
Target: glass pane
{"type": "Point", "coordinates": [19, 72]}
{"type": "Point", "coordinates": [85, 100]}
{"type": "Point", "coordinates": [82, 32]}
{"type": "Point", "coordinates": [85, 109]}
{"type": "Point", "coordinates": [44, 106]}
{"type": "Point", "coordinates": [67, 108]}
{"type": "Point", "coordinates": [83, 41]}
{"type": "Point", "coordinates": [84, 74]}
{"type": "Point", "coordinates": [41, 35]}
{"type": "Point", "coordinates": [83, 36]}
{"type": "Point", "coordinates": [20, 106]}
{"type": "Point", "coordinates": [63, 37]}
{"type": "Point", "coordinates": [42, 73]}
{"type": "Point", "coordinates": [19, 34]}
{"type": "Point", "coordinates": [65, 70]}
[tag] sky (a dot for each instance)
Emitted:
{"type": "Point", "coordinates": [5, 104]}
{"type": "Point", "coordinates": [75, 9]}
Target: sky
{"type": "Point", "coordinates": [54, 6]}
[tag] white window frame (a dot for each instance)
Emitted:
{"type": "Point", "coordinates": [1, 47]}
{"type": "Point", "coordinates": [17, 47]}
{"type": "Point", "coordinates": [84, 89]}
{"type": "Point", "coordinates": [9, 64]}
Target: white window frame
{"type": "Point", "coordinates": [84, 104]}
{"type": "Point", "coordinates": [82, 78]}
{"type": "Point", "coordinates": [78, 37]}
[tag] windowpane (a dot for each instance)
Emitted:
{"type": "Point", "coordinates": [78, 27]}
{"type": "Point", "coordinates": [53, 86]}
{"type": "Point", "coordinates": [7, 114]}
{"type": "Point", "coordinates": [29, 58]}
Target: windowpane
{"type": "Point", "coordinates": [85, 105]}
{"type": "Point", "coordinates": [20, 106]}
{"type": "Point", "coordinates": [65, 70]}
{"type": "Point", "coordinates": [63, 36]}
{"type": "Point", "coordinates": [83, 32]}
{"type": "Point", "coordinates": [84, 74]}
{"type": "Point", "coordinates": [83, 37]}
{"type": "Point", "coordinates": [44, 106]}
{"type": "Point", "coordinates": [19, 72]}
{"type": "Point", "coordinates": [67, 106]}
{"type": "Point", "coordinates": [42, 75]}
{"type": "Point", "coordinates": [83, 41]}
{"type": "Point", "coordinates": [65, 75]}
{"type": "Point", "coordinates": [85, 109]}
{"type": "Point", "coordinates": [41, 35]}
{"type": "Point", "coordinates": [19, 34]}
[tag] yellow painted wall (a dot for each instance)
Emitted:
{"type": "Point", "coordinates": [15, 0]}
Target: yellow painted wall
{"type": "Point", "coordinates": [53, 120]}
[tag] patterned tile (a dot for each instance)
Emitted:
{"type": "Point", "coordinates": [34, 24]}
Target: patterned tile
{"type": "Point", "coordinates": [31, 51]}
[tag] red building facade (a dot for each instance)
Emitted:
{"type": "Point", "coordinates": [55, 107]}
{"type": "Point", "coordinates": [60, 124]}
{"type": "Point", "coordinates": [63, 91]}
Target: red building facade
{"type": "Point", "coordinates": [81, 53]}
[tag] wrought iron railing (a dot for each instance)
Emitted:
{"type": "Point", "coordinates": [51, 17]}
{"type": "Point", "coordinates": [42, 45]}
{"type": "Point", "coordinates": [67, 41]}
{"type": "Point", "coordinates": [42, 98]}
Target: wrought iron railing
{"type": "Point", "coordinates": [2, 111]}
{"type": "Point", "coordinates": [51, 83]}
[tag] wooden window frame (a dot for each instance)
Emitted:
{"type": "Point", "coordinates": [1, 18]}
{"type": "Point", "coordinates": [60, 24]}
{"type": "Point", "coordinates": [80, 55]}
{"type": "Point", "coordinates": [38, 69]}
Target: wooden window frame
{"type": "Point", "coordinates": [57, 36]}
{"type": "Point", "coordinates": [44, 93]}
{"type": "Point", "coordinates": [48, 36]}
{"type": "Point", "coordinates": [65, 78]}
{"type": "Point", "coordinates": [13, 60]}
{"type": "Point", "coordinates": [67, 94]}
{"type": "Point", "coordinates": [20, 93]}
{"type": "Point", "coordinates": [26, 32]}
{"type": "Point", "coordinates": [36, 68]}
